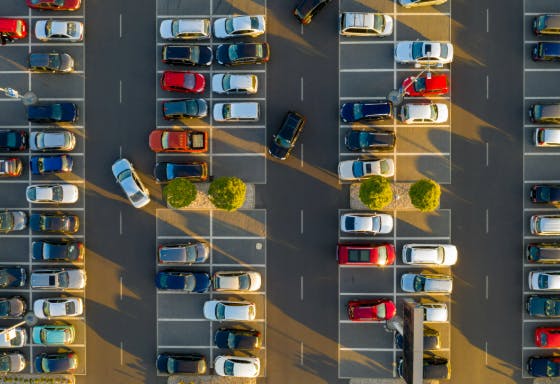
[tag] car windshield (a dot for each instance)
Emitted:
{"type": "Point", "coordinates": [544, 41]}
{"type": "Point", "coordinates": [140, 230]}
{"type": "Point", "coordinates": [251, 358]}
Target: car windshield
{"type": "Point", "coordinates": [358, 169]}
{"type": "Point", "coordinates": [444, 50]}
{"type": "Point", "coordinates": [137, 196]}
{"type": "Point", "coordinates": [189, 81]}
{"type": "Point", "coordinates": [282, 142]}
{"type": "Point", "coordinates": [57, 193]}
{"type": "Point", "coordinates": [380, 310]}
{"type": "Point", "coordinates": [190, 282]}
{"type": "Point", "coordinates": [228, 368]}
{"type": "Point", "coordinates": [9, 140]}
{"type": "Point", "coordinates": [6, 221]}
{"type": "Point", "coordinates": [56, 112]}
{"type": "Point", "coordinates": [378, 22]}
{"type": "Point", "coordinates": [226, 112]}
{"type": "Point", "coordinates": [191, 254]}
{"type": "Point", "coordinates": [4, 307]}
{"type": "Point", "coordinates": [233, 52]}
{"type": "Point", "coordinates": [534, 253]}
{"type": "Point", "coordinates": [383, 165]}
{"type": "Point", "coordinates": [433, 112]}
{"type": "Point", "coordinates": [70, 308]}
{"type": "Point", "coordinates": [124, 175]}
{"type": "Point", "coordinates": [382, 255]}
{"type": "Point", "coordinates": [244, 281]}
{"type": "Point", "coordinates": [54, 61]}
{"type": "Point", "coordinates": [63, 279]}
{"type": "Point", "coordinates": [229, 25]}
{"type": "Point", "coordinates": [71, 28]}
{"type": "Point", "coordinates": [419, 283]}
{"type": "Point", "coordinates": [544, 193]}
{"type": "Point", "coordinates": [4, 363]}
{"type": "Point", "coordinates": [417, 49]}
{"type": "Point", "coordinates": [220, 311]}
{"type": "Point", "coordinates": [46, 308]}
{"type": "Point", "coordinates": [365, 140]}
{"type": "Point", "coordinates": [551, 307]}
{"type": "Point", "coordinates": [357, 111]}
{"type": "Point", "coordinates": [4, 278]}
{"type": "Point", "coordinates": [544, 338]}
{"type": "Point", "coordinates": [537, 111]}
{"type": "Point", "coordinates": [420, 84]}
{"type": "Point", "coordinates": [543, 281]}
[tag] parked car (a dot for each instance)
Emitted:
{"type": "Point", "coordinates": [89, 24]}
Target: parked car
{"type": "Point", "coordinates": [543, 366]}
{"type": "Point", "coordinates": [181, 363]}
{"type": "Point", "coordinates": [243, 53]}
{"type": "Point", "coordinates": [547, 337]}
{"type": "Point", "coordinates": [223, 310]}
{"type": "Point", "coordinates": [187, 54]}
{"type": "Point", "coordinates": [548, 24]}
{"type": "Point", "coordinates": [54, 222]}
{"type": "Point", "coordinates": [236, 111]}
{"type": "Point", "coordinates": [12, 221]}
{"type": "Point", "coordinates": [12, 307]}
{"type": "Point", "coordinates": [19, 338]}
{"type": "Point", "coordinates": [53, 334]}
{"type": "Point", "coordinates": [545, 193]}
{"type": "Point", "coordinates": [545, 225]}
{"type": "Point", "coordinates": [52, 140]}
{"type": "Point", "coordinates": [366, 223]}
{"type": "Point", "coordinates": [59, 30]}
{"type": "Point", "coordinates": [426, 282]}
{"type": "Point", "coordinates": [371, 310]}
{"type": "Point", "coordinates": [54, 5]}
{"type": "Point", "coordinates": [378, 254]}
{"type": "Point", "coordinates": [306, 9]}
{"type": "Point", "coordinates": [10, 166]}
{"type": "Point", "coordinates": [237, 339]}
{"type": "Point", "coordinates": [239, 26]}
{"type": "Point", "coordinates": [238, 281]}
{"type": "Point", "coordinates": [12, 140]}
{"type": "Point", "coordinates": [13, 28]}
{"type": "Point", "coordinates": [237, 366]}
{"type": "Point", "coordinates": [59, 362]}
{"type": "Point", "coordinates": [543, 306]}
{"type": "Point", "coordinates": [365, 24]}
{"type": "Point", "coordinates": [544, 280]}
{"type": "Point", "coordinates": [58, 250]}
{"type": "Point", "coordinates": [194, 171]}
{"type": "Point", "coordinates": [12, 362]}
{"type": "Point", "coordinates": [284, 140]}
{"type": "Point", "coordinates": [431, 339]}
{"type": "Point", "coordinates": [369, 140]}
{"type": "Point", "coordinates": [193, 252]}
{"type": "Point", "coordinates": [435, 312]}
{"type": "Point", "coordinates": [378, 110]}
{"type": "Point", "coordinates": [192, 282]}
{"type": "Point", "coordinates": [545, 113]}
{"type": "Point", "coordinates": [546, 51]}
{"type": "Point", "coordinates": [185, 29]}
{"type": "Point", "coordinates": [433, 367]}
{"type": "Point", "coordinates": [235, 83]}
{"type": "Point", "coordinates": [52, 194]}
{"type": "Point", "coordinates": [420, 3]}
{"type": "Point", "coordinates": [58, 307]}
{"type": "Point", "coordinates": [543, 253]}
{"type": "Point", "coordinates": [185, 108]}
{"type": "Point", "coordinates": [429, 254]}
{"type": "Point", "coordinates": [421, 53]}
{"type": "Point", "coordinates": [421, 113]}
{"type": "Point", "coordinates": [53, 113]}
{"type": "Point", "coordinates": [363, 168]}
{"type": "Point", "coordinates": [12, 277]}
{"type": "Point", "coordinates": [41, 165]}
{"type": "Point", "coordinates": [128, 179]}
{"type": "Point", "coordinates": [59, 278]}
{"type": "Point", "coordinates": [173, 140]}
{"type": "Point", "coordinates": [547, 137]}
{"type": "Point", "coordinates": [425, 85]}
{"type": "Point", "coordinates": [186, 82]}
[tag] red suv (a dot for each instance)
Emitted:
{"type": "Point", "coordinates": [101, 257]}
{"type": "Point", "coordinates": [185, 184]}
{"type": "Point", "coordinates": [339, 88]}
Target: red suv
{"type": "Point", "coordinates": [13, 28]}
{"type": "Point", "coordinates": [379, 254]}
{"type": "Point", "coordinates": [187, 82]}
{"type": "Point", "coordinates": [424, 85]}
{"type": "Point", "coordinates": [371, 310]}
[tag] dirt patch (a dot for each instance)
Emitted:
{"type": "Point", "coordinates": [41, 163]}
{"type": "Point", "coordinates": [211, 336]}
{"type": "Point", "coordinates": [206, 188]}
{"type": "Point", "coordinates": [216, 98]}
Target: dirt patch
{"type": "Point", "coordinates": [401, 200]}
{"type": "Point", "coordinates": [203, 202]}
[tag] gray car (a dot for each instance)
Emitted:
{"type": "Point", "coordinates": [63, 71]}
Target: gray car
{"type": "Point", "coordinates": [193, 252]}
{"type": "Point", "coordinates": [58, 279]}
{"type": "Point", "coordinates": [12, 221]}
{"type": "Point", "coordinates": [131, 184]}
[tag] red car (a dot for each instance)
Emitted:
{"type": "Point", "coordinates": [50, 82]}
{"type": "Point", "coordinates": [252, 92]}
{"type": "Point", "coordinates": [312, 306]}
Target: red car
{"type": "Point", "coordinates": [365, 254]}
{"type": "Point", "coordinates": [433, 85]}
{"type": "Point", "coordinates": [170, 140]}
{"type": "Point", "coordinates": [547, 337]}
{"type": "Point", "coordinates": [187, 82]}
{"type": "Point", "coordinates": [55, 5]}
{"type": "Point", "coordinates": [371, 310]}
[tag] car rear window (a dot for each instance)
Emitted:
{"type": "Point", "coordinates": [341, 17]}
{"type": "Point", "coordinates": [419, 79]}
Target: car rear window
{"type": "Point", "coordinates": [197, 140]}
{"type": "Point", "coordinates": [358, 255]}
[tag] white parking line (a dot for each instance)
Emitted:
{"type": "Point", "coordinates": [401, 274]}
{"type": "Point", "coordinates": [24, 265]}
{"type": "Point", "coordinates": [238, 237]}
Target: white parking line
{"type": "Point", "coordinates": [487, 88]}
{"type": "Point", "coordinates": [486, 287]}
{"type": "Point", "coordinates": [301, 288]}
{"type": "Point", "coordinates": [487, 155]}
{"type": "Point", "coordinates": [486, 352]}
{"type": "Point", "coordinates": [120, 25]}
{"type": "Point", "coordinates": [301, 353]}
{"type": "Point", "coordinates": [368, 349]}
{"type": "Point", "coordinates": [487, 20]}
{"type": "Point", "coordinates": [121, 351]}
{"type": "Point", "coordinates": [487, 221]}
{"type": "Point", "coordinates": [301, 221]}
{"type": "Point", "coordinates": [301, 88]}
{"type": "Point", "coordinates": [120, 91]}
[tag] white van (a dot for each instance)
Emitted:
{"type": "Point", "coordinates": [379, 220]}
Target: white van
{"type": "Point", "coordinates": [547, 137]}
{"type": "Point", "coordinates": [435, 312]}
{"type": "Point", "coordinates": [545, 225]}
{"type": "Point", "coordinates": [238, 111]}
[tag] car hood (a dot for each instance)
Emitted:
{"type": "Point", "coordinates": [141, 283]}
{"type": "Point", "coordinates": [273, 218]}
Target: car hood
{"type": "Point", "coordinates": [407, 282]}
{"type": "Point", "coordinates": [388, 25]}
{"type": "Point", "coordinates": [345, 170]}
{"type": "Point", "coordinates": [403, 51]}
{"type": "Point", "coordinates": [165, 29]}
{"type": "Point", "coordinates": [442, 113]}
{"type": "Point", "coordinates": [40, 29]}
{"type": "Point", "coordinates": [386, 223]}
{"type": "Point", "coordinates": [450, 254]}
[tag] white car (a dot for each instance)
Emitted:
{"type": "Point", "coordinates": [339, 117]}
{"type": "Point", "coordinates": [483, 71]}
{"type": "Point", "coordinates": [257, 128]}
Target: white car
{"type": "Point", "coordinates": [52, 193]}
{"type": "Point", "coordinates": [59, 30]}
{"type": "Point", "coordinates": [131, 184]}
{"type": "Point", "coordinates": [360, 169]}
{"type": "Point", "coordinates": [244, 281]}
{"type": "Point", "coordinates": [426, 283]}
{"type": "Point", "coordinates": [421, 113]}
{"type": "Point", "coordinates": [238, 111]}
{"type": "Point", "coordinates": [58, 307]}
{"type": "Point", "coordinates": [58, 279]}
{"type": "Point", "coordinates": [423, 53]}
{"type": "Point", "coordinates": [220, 310]}
{"type": "Point", "coordinates": [236, 26]}
{"type": "Point", "coordinates": [185, 29]}
{"type": "Point", "coordinates": [420, 3]}
{"type": "Point", "coordinates": [237, 366]}
{"type": "Point", "coordinates": [366, 223]}
{"type": "Point", "coordinates": [435, 312]}
{"type": "Point", "coordinates": [429, 254]}
{"type": "Point", "coordinates": [232, 83]}
{"type": "Point", "coordinates": [365, 24]}
{"type": "Point", "coordinates": [15, 338]}
{"type": "Point", "coordinates": [544, 280]}
{"type": "Point", "coordinates": [52, 141]}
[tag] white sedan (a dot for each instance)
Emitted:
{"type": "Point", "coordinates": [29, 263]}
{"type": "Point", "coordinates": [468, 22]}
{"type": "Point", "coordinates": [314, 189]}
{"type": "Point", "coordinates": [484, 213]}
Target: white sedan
{"type": "Point", "coordinates": [235, 83]}
{"type": "Point", "coordinates": [421, 113]}
{"type": "Point", "coordinates": [361, 169]}
{"type": "Point", "coordinates": [58, 279]}
{"type": "Point", "coordinates": [58, 307]}
{"type": "Point", "coordinates": [59, 30]}
{"type": "Point", "coordinates": [16, 338]}
{"type": "Point", "coordinates": [229, 310]}
{"type": "Point", "coordinates": [366, 223]}
{"type": "Point", "coordinates": [127, 178]}
{"type": "Point", "coordinates": [185, 29]}
{"type": "Point", "coordinates": [244, 281]}
{"type": "Point", "coordinates": [237, 366]}
{"type": "Point", "coordinates": [53, 193]}
{"type": "Point", "coordinates": [236, 26]}
{"type": "Point", "coordinates": [423, 53]}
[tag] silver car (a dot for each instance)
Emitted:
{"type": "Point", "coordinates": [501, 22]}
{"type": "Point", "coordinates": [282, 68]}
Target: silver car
{"type": "Point", "coordinates": [232, 83]}
{"type": "Point", "coordinates": [131, 184]}
{"type": "Point", "coordinates": [240, 281]}
{"type": "Point", "coordinates": [365, 24]}
{"type": "Point", "coordinates": [59, 30]}
{"type": "Point", "coordinates": [58, 279]}
{"type": "Point", "coordinates": [427, 283]}
{"type": "Point", "coordinates": [52, 194]}
{"type": "Point", "coordinates": [360, 169]}
{"type": "Point", "coordinates": [237, 111]}
{"type": "Point", "coordinates": [423, 53]}
{"type": "Point", "coordinates": [12, 221]}
{"type": "Point", "coordinates": [237, 26]}
{"type": "Point", "coordinates": [52, 141]}
{"type": "Point", "coordinates": [185, 29]}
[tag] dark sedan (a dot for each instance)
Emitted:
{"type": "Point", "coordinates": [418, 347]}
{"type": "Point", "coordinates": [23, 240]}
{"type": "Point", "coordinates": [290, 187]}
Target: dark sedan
{"type": "Point", "coordinates": [543, 306]}
{"type": "Point", "coordinates": [187, 54]}
{"type": "Point", "coordinates": [543, 366]}
{"type": "Point", "coordinates": [186, 108]}
{"type": "Point", "coordinates": [379, 110]}
{"type": "Point", "coordinates": [65, 361]}
{"type": "Point", "coordinates": [41, 165]}
{"type": "Point", "coordinates": [53, 113]}
{"type": "Point", "coordinates": [12, 140]}
{"type": "Point", "coordinates": [369, 140]}
{"type": "Point", "coordinates": [55, 62]}
{"type": "Point", "coordinates": [193, 171]}
{"type": "Point", "coordinates": [55, 250]}
{"type": "Point", "coordinates": [240, 339]}
{"type": "Point", "coordinates": [194, 282]}
{"type": "Point", "coordinates": [545, 193]}
{"type": "Point", "coordinates": [12, 277]}
{"type": "Point", "coordinates": [243, 53]}
{"type": "Point", "coordinates": [54, 222]}
{"type": "Point", "coordinates": [175, 363]}
{"type": "Point", "coordinates": [284, 141]}
{"type": "Point", "coordinates": [306, 9]}
{"type": "Point", "coordinates": [12, 307]}
{"type": "Point", "coordinates": [543, 253]}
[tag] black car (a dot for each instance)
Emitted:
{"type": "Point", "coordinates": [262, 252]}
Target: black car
{"type": "Point", "coordinates": [193, 170]}
{"type": "Point", "coordinates": [53, 113]}
{"type": "Point", "coordinates": [178, 109]}
{"type": "Point", "coordinates": [55, 250]}
{"type": "Point", "coordinates": [543, 306]}
{"type": "Point", "coordinates": [433, 367]}
{"type": "Point", "coordinates": [55, 62]}
{"type": "Point", "coordinates": [54, 222]}
{"type": "Point", "coordinates": [187, 54]}
{"type": "Point", "coordinates": [283, 142]}
{"type": "Point", "coordinates": [12, 277]}
{"type": "Point", "coordinates": [243, 53]}
{"type": "Point", "coordinates": [431, 339]}
{"type": "Point", "coordinates": [545, 193]}
{"type": "Point", "coordinates": [243, 339]}
{"type": "Point", "coordinates": [543, 366]}
{"type": "Point", "coordinates": [12, 140]}
{"type": "Point", "coordinates": [543, 253]}
{"type": "Point", "coordinates": [306, 9]}
{"type": "Point", "coordinates": [379, 110]}
{"type": "Point", "coordinates": [196, 282]}
{"type": "Point", "coordinates": [174, 363]}
{"type": "Point", "coordinates": [12, 307]}
{"type": "Point", "coordinates": [64, 361]}
{"type": "Point", "coordinates": [369, 140]}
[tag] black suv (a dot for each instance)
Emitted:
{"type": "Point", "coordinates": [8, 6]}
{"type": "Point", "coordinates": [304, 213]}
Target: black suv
{"type": "Point", "coordinates": [283, 142]}
{"type": "Point", "coordinates": [187, 54]}
{"type": "Point", "coordinates": [306, 9]}
{"type": "Point", "coordinates": [373, 110]}
{"type": "Point", "coordinates": [543, 253]}
{"type": "Point", "coordinates": [369, 140]}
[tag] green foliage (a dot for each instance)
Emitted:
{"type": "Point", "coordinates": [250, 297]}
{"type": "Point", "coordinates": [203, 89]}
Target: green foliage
{"type": "Point", "coordinates": [179, 193]}
{"type": "Point", "coordinates": [227, 193]}
{"type": "Point", "coordinates": [425, 194]}
{"type": "Point", "coordinates": [376, 192]}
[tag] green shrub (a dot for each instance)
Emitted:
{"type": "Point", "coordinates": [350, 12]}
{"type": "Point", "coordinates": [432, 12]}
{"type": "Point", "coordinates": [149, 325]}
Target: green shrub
{"type": "Point", "coordinates": [179, 193]}
{"type": "Point", "coordinates": [425, 194]}
{"type": "Point", "coordinates": [227, 193]}
{"type": "Point", "coordinates": [376, 192]}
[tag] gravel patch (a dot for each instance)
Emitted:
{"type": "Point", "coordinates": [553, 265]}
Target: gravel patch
{"type": "Point", "coordinates": [203, 202]}
{"type": "Point", "coordinates": [401, 200]}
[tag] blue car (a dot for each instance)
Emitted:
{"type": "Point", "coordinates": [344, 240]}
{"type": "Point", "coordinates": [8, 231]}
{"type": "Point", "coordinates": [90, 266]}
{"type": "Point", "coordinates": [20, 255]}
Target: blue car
{"type": "Point", "coordinates": [66, 361]}
{"type": "Point", "coordinates": [51, 164]}
{"type": "Point", "coordinates": [543, 306]}
{"type": "Point", "coordinates": [375, 110]}
{"type": "Point", "coordinates": [543, 366]}
{"type": "Point", "coordinates": [196, 282]}
{"type": "Point", "coordinates": [53, 113]}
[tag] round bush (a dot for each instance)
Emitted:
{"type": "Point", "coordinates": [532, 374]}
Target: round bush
{"type": "Point", "coordinates": [179, 193]}
{"type": "Point", "coordinates": [425, 194]}
{"type": "Point", "coordinates": [227, 193]}
{"type": "Point", "coordinates": [376, 192]}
